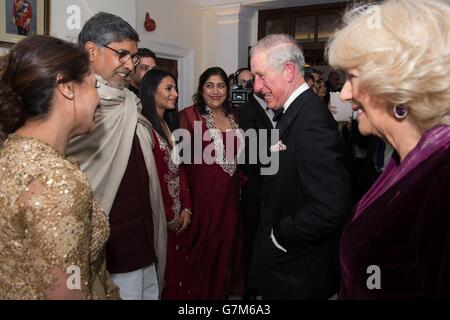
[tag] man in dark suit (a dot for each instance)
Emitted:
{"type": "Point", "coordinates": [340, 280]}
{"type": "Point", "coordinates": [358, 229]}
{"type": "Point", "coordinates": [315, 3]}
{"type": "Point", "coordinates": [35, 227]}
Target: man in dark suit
{"type": "Point", "coordinates": [253, 115]}
{"type": "Point", "coordinates": [306, 203]}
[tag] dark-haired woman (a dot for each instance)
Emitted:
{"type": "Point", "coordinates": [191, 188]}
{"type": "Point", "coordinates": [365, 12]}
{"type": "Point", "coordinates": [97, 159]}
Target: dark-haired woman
{"type": "Point", "coordinates": [216, 239]}
{"type": "Point", "coordinates": [52, 232]}
{"type": "Point", "coordinates": [158, 92]}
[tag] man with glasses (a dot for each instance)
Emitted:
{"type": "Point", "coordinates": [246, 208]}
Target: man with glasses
{"type": "Point", "coordinates": [118, 160]}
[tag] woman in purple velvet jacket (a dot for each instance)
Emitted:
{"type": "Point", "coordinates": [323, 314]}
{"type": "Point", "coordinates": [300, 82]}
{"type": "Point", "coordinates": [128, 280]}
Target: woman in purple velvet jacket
{"type": "Point", "coordinates": [396, 245]}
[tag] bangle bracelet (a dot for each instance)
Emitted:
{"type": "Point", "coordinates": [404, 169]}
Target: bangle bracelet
{"type": "Point", "coordinates": [174, 220]}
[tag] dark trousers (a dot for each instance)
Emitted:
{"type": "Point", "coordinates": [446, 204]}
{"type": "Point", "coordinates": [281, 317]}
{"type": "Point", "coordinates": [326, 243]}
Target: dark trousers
{"type": "Point", "coordinates": [250, 210]}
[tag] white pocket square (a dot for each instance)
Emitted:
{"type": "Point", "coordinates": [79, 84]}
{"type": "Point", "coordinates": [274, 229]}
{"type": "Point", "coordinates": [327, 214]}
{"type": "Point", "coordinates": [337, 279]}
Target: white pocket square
{"type": "Point", "coordinates": [278, 147]}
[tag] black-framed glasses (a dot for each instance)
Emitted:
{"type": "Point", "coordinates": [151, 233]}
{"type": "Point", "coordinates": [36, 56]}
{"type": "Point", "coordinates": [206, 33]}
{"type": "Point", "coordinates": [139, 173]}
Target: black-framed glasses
{"type": "Point", "coordinates": [125, 55]}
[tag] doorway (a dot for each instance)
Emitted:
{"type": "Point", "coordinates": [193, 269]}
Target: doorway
{"type": "Point", "coordinates": [168, 65]}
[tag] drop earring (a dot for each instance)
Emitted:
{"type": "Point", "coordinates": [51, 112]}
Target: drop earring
{"type": "Point", "coordinates": [400, 111]}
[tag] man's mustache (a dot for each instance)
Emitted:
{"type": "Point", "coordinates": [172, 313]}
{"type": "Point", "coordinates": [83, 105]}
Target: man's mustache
{"type": "Point", "coordinates": [124, 71]}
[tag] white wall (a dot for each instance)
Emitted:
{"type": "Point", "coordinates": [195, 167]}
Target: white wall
{"type": "Point", "coordinates": [246, 30]}
{"type": "Point", "coordinates": [88, 8]}
{"type": "Point", "coordinates": [227, 36]}
{"type": "Point", "coordinates": [177, 24]}
{"type": "Point", "coordinates": [178, 36]}
{"type": "Point", "coordinates": [226, 45]}
{"type": "Point", "coordinates": [254, 30]}
{"type": "Point", "coordinates": [209, 39]}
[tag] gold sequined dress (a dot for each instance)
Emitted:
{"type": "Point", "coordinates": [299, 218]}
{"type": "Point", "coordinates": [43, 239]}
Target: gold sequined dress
{"type": "Point", "coordinates": [50, 224]}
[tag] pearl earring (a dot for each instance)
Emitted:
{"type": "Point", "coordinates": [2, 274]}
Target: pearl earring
{"type": "Point", "coordinates": [400, 111]}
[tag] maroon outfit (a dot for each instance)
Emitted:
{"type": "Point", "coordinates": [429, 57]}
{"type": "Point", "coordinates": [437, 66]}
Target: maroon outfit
{"type": "Point", "coordinates": [176, 198]}
{"type": "Point", "coordinates": [130, 246]}
{"type": "Point", "coordinates": [402, 226]}
{"type": "Point", "coordinates": [216, 242]}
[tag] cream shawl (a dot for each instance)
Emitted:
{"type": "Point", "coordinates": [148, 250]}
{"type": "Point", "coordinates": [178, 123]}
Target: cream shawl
{"type": "Point", "coordinates": [103, 155]}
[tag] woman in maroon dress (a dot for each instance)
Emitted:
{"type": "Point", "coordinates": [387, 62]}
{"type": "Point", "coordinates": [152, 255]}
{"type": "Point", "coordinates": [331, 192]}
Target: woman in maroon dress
{"type": "Point", "coordinates": [158, 92]}
{"type": "Point", "coordinates": [216, 237]}
{"type": "Point", "coordinates": [396, 244]}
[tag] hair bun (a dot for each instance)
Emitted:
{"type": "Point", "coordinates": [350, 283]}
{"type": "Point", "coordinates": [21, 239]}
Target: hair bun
{"type": "Point", "coordinates": [11, 109]}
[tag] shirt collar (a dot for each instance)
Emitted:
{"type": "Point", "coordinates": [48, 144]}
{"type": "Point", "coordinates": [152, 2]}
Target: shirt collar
{"type": "Point", "coordinates": [261, 102]}
{"type": "Point", "coordinates": [294, 95]}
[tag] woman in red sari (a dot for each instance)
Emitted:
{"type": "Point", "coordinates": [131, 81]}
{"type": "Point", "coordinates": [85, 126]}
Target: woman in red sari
{"type": "Point", "coordinates": [158, 93]}
{"type": "Point", "coordinates": [216, 237]}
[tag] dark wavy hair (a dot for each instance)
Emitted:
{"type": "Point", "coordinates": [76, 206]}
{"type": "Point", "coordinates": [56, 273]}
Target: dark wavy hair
{"type": "Point", "coordinates": [198, 96]}
{"type": "Point", "coordinates": [29, 77]}
{"type": "Point", "coordinates": [149, 85]}
{"type": "Point", "coordinates": [146, 53]}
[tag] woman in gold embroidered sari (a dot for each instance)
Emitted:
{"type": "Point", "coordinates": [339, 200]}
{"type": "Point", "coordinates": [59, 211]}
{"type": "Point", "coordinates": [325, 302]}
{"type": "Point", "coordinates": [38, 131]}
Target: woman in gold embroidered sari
{"type": "Point", "coordinates": [52, 232]}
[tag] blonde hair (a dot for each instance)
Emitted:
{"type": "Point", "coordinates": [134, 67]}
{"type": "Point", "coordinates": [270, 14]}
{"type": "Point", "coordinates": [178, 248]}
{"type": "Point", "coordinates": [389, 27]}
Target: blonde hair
{"type": "Point", "coordinates": [402, 50]}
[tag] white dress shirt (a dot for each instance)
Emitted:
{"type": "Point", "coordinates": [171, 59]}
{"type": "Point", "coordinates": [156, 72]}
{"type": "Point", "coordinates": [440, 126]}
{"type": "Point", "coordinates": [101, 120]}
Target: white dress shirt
{"type": "Point", "coordinates": [295, 95]}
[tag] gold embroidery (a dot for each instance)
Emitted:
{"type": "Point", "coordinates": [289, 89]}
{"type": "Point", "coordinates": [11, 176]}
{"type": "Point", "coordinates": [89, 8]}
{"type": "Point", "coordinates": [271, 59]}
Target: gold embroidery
{"type": "Point", "coordinates": [48, 221]}
{"type": "Point", "coordinates": [216, 136]}
{"type": "Point", "coordinates": [172, 178]}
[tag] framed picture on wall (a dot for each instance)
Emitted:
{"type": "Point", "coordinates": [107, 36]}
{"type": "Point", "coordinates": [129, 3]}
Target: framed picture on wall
{"type": "Point", "coordinates": [21, 18]}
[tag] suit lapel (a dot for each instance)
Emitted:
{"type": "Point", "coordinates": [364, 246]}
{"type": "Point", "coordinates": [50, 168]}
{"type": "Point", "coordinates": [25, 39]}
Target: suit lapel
{"type": "Point", "coordinates": [293, 110]}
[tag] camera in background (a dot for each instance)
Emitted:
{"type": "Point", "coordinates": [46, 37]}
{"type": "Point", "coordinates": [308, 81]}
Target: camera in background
{"type": "Point", "coordinates": [241, 86]}
{"type": "Point", "coordinates": [241, 92]}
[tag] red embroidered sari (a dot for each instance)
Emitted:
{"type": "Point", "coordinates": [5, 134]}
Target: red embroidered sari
{"type": "Point", "coordinates": [175, 192]}
{"type": "Point", "coordinates": [216, 240]}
